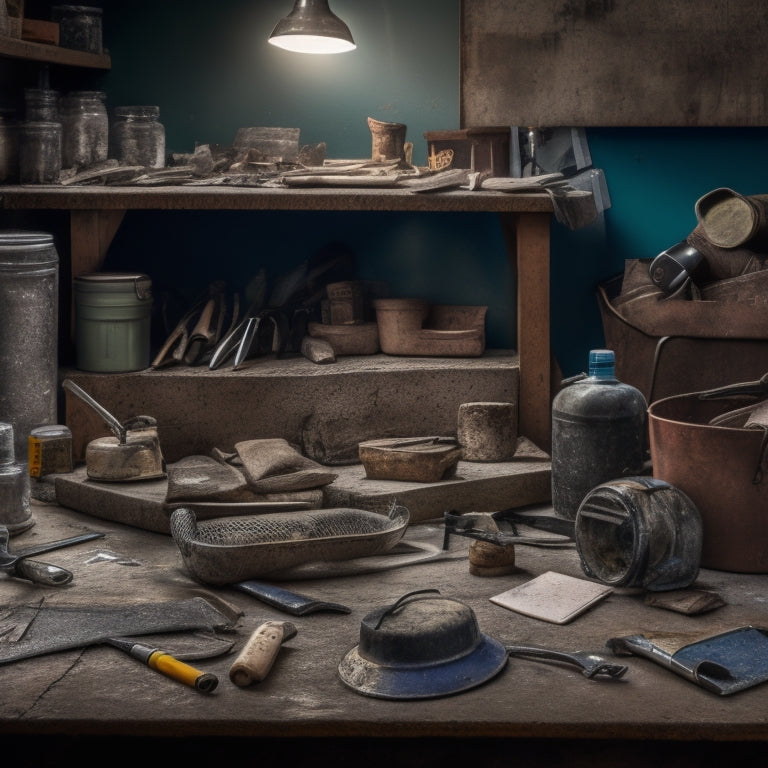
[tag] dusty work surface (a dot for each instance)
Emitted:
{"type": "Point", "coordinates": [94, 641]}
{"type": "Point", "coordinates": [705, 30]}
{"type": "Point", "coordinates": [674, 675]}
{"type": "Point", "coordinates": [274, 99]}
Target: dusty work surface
{"type": "Point", "coordinates": [98, 690]}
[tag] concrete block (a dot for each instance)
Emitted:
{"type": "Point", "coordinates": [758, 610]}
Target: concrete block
{"type": "Point", "coordinates": [476, 487]}
{"type": "Point", "coordinates": [324, 410]}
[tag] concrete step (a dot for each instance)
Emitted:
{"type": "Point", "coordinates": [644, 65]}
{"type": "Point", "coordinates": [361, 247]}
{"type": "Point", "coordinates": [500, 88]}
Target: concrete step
{"type": "Point", "coordinates": [325, 410]}
{"type": "Point", "coordinates": [475, 487]}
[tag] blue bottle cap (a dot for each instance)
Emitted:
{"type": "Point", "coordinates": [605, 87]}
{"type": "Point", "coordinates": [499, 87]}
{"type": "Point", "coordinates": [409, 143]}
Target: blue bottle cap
{"type": "Point", "coordinates": [601, 363]}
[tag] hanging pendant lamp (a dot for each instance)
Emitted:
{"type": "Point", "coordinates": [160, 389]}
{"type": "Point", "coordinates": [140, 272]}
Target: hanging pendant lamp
{"type": "Point", "coordinates": [311, 27]}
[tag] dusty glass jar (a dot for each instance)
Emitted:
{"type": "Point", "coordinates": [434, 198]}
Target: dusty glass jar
{"type": "Point", "coordinates": [80, 27]}
{"type": "Point", "coordinates": [85, 129]}
{"type": "Point", "coordinates": [15, 511]}
{"type": "Point", "coordinates": [40, 153]}
{"type": "Point", "coordinates": [41, 105]}
{"type": "Point", "coordinates": [137, 137]}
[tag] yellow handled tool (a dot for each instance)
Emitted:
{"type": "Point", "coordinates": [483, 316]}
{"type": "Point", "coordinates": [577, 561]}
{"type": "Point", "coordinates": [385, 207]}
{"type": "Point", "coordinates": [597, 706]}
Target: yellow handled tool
{"type": "Point", "coordinates": [167, 664]}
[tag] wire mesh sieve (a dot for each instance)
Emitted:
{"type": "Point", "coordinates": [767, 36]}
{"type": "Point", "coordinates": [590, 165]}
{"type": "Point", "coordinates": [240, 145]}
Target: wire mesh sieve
{"type": "Point", "coordinates": [231, 549]}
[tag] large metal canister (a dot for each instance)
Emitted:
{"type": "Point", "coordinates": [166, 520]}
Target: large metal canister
{"type": "Point", "coordinates": [29, 323]}
{"type": "Point", "coordinates": [598, 433]}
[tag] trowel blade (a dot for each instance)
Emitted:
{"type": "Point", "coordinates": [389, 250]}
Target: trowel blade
{"type": "Point", "coordinates": [48, 629]}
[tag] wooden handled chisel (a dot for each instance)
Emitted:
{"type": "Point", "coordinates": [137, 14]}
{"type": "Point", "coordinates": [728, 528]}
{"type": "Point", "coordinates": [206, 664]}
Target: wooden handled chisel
{"type": "Point", "coordinates": [259, 653]}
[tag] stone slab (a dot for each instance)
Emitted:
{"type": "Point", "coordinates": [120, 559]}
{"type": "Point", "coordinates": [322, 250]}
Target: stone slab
{"type": "Point", "coordinates": [325, 410]}
{"type": "Point", "coordinates": [138, 504]}
{"type": "Point", "coordinates": [476, 487]}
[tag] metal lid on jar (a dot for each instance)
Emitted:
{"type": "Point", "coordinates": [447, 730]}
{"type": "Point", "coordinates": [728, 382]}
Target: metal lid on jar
{"type": "Point", "coordinates": [104, 282]}
{"type": "Point", "coordinates": [21, 249]}
{"type": "Point", "coordinates": [24, 237]}
{"type": "Point", "coordinates": [78, 9]}
{"type": "Point", "coordinates": [138, 111]}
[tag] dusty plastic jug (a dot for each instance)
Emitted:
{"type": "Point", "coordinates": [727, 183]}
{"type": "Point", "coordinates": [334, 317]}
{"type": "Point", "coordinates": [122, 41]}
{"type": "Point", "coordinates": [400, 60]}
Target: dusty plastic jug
{"type": "Point", "coordinates": [598, 433]}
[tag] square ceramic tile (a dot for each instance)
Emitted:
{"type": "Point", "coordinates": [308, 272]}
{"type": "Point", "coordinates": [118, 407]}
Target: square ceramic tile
{"type": "Point", "coordinates": [552, 597]}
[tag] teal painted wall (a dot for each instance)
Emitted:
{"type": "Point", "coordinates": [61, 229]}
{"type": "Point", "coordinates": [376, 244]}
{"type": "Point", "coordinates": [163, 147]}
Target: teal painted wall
{"type": "Point", "coordinates": [212, 74]}
{"type": "Point", "coordinates": [211, 71]}
{"type": "Point", "coordinates": [654, 176]}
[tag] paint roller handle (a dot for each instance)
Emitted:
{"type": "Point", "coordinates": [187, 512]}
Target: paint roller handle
{"type": "Point", "coordinates": [167, 665]}
{"type": "Point", "coordinates": [184, 673]}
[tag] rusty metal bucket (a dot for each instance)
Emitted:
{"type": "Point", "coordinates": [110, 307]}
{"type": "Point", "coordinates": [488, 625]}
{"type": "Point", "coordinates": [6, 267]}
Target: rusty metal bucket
{"type": "Point", "coordinates": [722, 469]}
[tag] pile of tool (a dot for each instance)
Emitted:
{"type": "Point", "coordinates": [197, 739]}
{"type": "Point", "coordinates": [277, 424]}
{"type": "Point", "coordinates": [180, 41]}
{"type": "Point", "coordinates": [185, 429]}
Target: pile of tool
{"type": "Point", "coordinates": [272, 317]}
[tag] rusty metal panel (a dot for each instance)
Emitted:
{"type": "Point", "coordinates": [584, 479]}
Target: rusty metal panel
{"type": "Point", "coordinates": [616, 63]}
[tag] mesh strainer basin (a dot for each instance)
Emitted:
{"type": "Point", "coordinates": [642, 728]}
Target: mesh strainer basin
{"type": "Point", "coordinates": [227, 550]}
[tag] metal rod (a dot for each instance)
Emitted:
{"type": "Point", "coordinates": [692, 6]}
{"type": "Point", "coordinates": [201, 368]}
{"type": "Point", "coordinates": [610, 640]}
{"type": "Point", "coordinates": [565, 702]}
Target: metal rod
{"type": "Point", "coordinates": [117, 428]}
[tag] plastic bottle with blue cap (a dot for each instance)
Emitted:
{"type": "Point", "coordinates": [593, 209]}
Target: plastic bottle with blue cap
{"type": "Point", "coordinates": [599, 427]}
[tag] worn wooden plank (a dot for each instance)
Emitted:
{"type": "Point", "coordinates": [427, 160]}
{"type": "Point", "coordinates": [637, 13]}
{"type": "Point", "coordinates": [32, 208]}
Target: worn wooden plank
{"type": "Point", "coordinates": [614, 63]}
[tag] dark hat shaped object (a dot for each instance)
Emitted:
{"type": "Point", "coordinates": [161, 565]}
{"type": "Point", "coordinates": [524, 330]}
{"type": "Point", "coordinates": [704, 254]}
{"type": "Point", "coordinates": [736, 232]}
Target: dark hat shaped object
{"type": "Point", "coordinates": [422, 646]}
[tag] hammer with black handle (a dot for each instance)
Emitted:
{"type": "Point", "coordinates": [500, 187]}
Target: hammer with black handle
{"type": "Point", "coordinates": [259, 653]}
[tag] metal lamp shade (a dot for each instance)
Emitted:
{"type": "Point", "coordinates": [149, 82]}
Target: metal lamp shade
{"type": "Point", "coordinates": [311, 27]}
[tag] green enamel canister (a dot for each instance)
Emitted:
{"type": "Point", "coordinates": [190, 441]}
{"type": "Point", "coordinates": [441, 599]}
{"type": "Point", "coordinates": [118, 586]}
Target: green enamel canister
{"type": "Point", "coordinates": [113, 313]}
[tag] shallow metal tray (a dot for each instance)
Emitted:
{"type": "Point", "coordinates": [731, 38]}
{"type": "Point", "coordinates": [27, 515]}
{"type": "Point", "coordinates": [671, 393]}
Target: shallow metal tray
{"type": "Point", "coordinates": [228, 550]}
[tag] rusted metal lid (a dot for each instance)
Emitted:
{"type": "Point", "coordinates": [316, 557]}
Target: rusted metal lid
{"type": "Point", "coordinates": [728, 218]}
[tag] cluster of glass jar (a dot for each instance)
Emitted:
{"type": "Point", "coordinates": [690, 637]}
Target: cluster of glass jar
{"type": "Point", "coordinates": [73, 131]}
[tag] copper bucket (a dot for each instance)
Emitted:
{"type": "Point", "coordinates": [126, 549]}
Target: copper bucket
{"type": "Point", "coordinates": [722, 469]}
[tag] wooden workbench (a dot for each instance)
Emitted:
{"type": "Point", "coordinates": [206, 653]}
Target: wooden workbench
{"type": "Point", "coordinates": [97, 212]}
{"type": "Point", "coordinates": [97, 698]}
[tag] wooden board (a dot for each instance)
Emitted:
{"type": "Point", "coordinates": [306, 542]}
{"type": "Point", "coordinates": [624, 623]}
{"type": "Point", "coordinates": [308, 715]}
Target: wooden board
{"type": "Point", "coordinates": [581, 63]}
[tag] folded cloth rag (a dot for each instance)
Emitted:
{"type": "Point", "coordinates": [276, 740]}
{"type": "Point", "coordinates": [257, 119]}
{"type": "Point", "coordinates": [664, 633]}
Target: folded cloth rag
{"type": "Point", "coordinates": [204, 478]}
{"type": "Point", "coordinates": [273, 465]}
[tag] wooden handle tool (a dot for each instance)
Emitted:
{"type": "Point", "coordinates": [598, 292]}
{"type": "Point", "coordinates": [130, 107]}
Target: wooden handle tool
{"type": "Point", "coordinates": [259, 654]}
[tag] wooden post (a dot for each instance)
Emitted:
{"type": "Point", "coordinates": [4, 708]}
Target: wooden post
{"type": "Point", "coordinates": [527, 239]}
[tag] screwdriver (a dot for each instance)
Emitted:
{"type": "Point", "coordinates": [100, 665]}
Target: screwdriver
{"type": "Point", "coordinates": [166, 664]}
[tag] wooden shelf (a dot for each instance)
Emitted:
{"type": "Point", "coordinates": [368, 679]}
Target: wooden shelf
{"type": "Point", "coordinates": [96, 213]}
{"type": "Point", "coordinates": [14, 48]}
{"type": "Point", "coordinates": [192, 197]}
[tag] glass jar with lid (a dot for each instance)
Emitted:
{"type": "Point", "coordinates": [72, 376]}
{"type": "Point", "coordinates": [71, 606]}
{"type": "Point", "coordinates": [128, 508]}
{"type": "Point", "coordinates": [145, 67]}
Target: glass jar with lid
{"type": "Point", "coordinates": [80, 27]}
{"type": "Point", "coordinates": [40, 153]}
{"type": "Point", "coordinates": [41, 105]}
{"type": "Point", "coordinates": [84, 129]}
{"type": "Point", "coordinates": [137, 137]}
